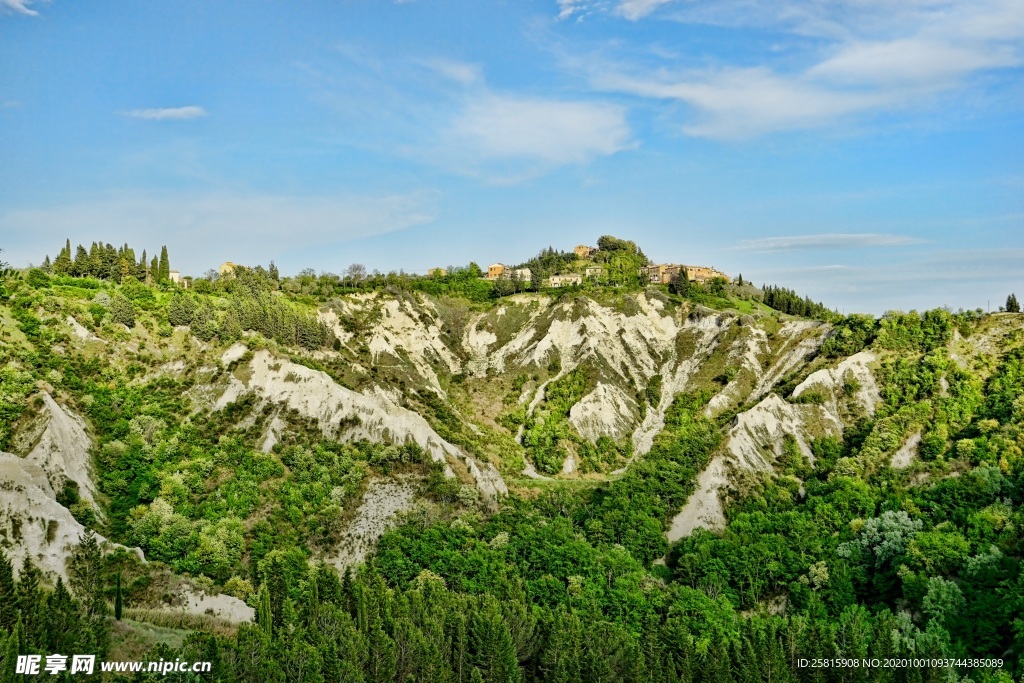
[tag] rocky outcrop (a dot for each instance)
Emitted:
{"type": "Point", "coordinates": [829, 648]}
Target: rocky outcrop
{"type": "Point", "coordinates": [346, 414]}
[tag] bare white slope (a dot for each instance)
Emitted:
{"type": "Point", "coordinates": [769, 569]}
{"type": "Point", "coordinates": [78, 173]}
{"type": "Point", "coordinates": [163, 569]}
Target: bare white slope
{"type": "Point", "coordinates": [757, 435]}
{"type": "Point", "coordinates": [703, 510]}
{"type": "Point", "coordinates": [63, 450]}
{"type": "Point", "coordinates": [374, 417]}
{"type": "Point", "coordinates": [606, 411]}
{"type": "Point", "coordinates": [832, 380]}
{"type": "Point", "coordinates": [378, 512]}
{"type": "Point", "coordinates": [32, 522]}
{"type": "Point", "coordinates": [705, 332]}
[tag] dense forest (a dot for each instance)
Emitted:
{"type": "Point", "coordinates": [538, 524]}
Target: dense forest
{"type": "Point", "coordinates": [835, 555]}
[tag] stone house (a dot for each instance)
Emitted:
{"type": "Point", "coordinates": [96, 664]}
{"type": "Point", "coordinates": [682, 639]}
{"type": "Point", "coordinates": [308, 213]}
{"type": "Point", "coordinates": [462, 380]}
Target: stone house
{"type": "Point", "coordinates": [496, 270]}
{"type": "Point", "coordinates": [565, 280]}
{"type": "Point", "coordinates": [703, 274]}
{"type": "Point", "coordinates": [583, 251]}
{"type": "Point", "coordinates": [662, 273]}
{"type": "Point", "coordinates": [175, 277]}
{"type": "Point", "coordinates": [437, 272]}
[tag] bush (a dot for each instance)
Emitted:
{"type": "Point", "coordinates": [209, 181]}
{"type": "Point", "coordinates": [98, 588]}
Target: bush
{"type": "Point", "coordinates": [122, 311]}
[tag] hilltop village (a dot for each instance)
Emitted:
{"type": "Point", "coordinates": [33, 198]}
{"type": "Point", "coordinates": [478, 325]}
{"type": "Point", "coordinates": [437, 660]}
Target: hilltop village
{"type": "Point", "coordinates": [587, 267]}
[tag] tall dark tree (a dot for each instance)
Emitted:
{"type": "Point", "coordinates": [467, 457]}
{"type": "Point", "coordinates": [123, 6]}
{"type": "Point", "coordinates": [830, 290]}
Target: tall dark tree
{"type": "Point", "coordinates": [86, 573]}
{"type": "Point", "coordinates": [81, 266]}
{"type": "Point", "coordinates": [165, 266]}
{"type": "Point", "coordinates": [118, 597]}
{"type": "Point", "coordinates": [1012, 306]}
{"type": "Point", "coordinates": [62, 265]}
{"type": "Point", "coordinates": [8, 595]}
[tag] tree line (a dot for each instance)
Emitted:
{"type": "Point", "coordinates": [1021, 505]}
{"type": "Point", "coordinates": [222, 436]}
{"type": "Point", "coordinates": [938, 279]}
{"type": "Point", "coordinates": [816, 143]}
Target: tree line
{"type": "Point", "coordinates": [106, 262]}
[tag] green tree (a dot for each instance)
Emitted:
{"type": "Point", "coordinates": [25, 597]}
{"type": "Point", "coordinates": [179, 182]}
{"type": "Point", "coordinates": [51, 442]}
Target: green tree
{"type": "Point", "coordinates": [8, 595]}
{"type": "Point", "coordinates": [1012, 306]}
{"type": "Point", "coordinates": [181, 309]}
{"type": "Point", "coordinates": [122, 310]}
{"type": "Point", "coordinates": [62, 265]}
{"type": "Point", "coordinates": [85, 570]}
{"type": "Point", "coordinates": [118, 597]}
{"type": "Point", "coordinates": [164, 272]}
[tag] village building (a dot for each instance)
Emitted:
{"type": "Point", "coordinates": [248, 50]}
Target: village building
{"type": "Point", "coordinates": [227, 268]}
{"type": "Point", "coordinates": [523, 273]}
{"type": "Point", "coordinates": [703, 274]}
{"type": "Point", "coordinates": [437, 272]}
{"type": "Point", "coordinates": [175, 277]}
{"type": "Point", "coordinates": [593, 271]}
{"type": "Point", "coordinates": [583, 251]}
{"type": "Point", "coordinates": [565, 280]}
{"type": "Point", "coordinates": [496, 270]}
{"type": "Point", "coordinates": [662, 273]}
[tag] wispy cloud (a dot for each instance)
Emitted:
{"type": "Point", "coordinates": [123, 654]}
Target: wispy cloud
{"type": "Point", "coordinates": [460, 72]}
{"type": "Point", "coordinates": [638, 9]}
{"type": "Point", "coordinates": [240, 227]}
{"type": "Point", "coordinates": [827, 241]}
{"type": "Point", "coordinates": [866, 57]}
{"type": "Point", "coordinates": [168, 113]}
{"type": "Point", "coordinates": [553, 131]}
{"type": "Point", "coordinates": [18, 7]}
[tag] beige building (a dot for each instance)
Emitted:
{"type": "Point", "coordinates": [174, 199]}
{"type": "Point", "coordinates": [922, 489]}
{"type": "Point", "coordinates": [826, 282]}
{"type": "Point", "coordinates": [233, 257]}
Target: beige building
{"type": "Point", "coordinates": [704, 274]}
{"type": "Point", "coordinates": [593, 271]}
{"type": "Point", "coordinates": [565, 280]}
{"type": "Point", "coordinates": [437, 272]}
{"type": "Point", "coordinates": [175, 277]}
{"type": "Point", "coordinates": [523, 273]}
{"type": "Point", "coordinates": [496, 270]}
{"type": "Point", "coordinates": [662, 273]}
{"type": "Point", "coordinates": [583, 251]}
{"type": "Point", "coordinates": [227, 268]}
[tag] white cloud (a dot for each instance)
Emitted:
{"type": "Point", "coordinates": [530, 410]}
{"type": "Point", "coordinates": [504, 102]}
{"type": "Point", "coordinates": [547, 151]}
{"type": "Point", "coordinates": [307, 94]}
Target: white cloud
{"type": "Point", "coordinates": [865, 57]}
{"type": "Point", "coordinates": [211, 228]}
{"type": "Point", "coordinates": [460, 72]}
{"type": "Point", "coordinates": [553, 131]}
{"type": "Point", "coordinates": [18, 7]}
{"type": "Point", "coordinates": [568, 8]}
{"type": "Point", "coordinates": [168, 113]}
{"type": "Point", "coordinates": [638, 9]}
{"type": "Point", "coordinates": [744, 103]}
{"type": "Point", "coordinates": [827, 241]}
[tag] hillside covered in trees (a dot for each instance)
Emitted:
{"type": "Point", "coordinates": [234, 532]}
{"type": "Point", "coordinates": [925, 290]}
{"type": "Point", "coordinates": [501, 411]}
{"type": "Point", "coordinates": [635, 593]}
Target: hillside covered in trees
{"type": "Point", "coordinates": [394, 478]}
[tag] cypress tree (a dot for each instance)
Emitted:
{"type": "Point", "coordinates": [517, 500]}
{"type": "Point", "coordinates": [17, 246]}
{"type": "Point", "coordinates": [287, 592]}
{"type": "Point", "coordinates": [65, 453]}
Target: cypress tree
{"type": "Point", "coordinates": [1012, 306]}
{"type": "Point", "coordinates": [47, 266]}
{"type": "Point", "coordinates": [264, 616]}
{"type": "Point", "coordinates": [15, 645]}
{"type": "Point", "coordinates": [8, 595]}
{"type": "Point", "coordinates": [118, 598]}
{"type": "Point", "coordinates": [29, 603]}
{"type": "Point", "coordinates": [154, 272]}
{"type": "Point", "coordinates": [165, 266]}
{"type": "Point", "coordinates": [80, 268]}
{"type": "Point", "coordinates": [272, 272]}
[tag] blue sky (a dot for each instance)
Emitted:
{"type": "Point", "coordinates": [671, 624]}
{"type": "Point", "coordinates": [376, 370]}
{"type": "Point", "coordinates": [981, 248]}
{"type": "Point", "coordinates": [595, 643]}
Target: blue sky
{"type": "Point", "coordinates": [869, 153]}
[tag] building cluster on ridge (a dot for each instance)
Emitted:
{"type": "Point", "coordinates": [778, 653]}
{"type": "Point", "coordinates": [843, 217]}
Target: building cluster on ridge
{"type": "Point", "coordinates": [661, 273]}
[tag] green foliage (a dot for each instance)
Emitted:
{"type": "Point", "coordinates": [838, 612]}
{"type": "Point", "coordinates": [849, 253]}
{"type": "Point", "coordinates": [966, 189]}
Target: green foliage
{"type": "Point", "coordinates": [788, 301]}
{"type": "Point", "coordinates": [122, 310]}
{"type": "Point", "coordinates": [915, 332]}
{"type": "Point", "coordinates": [548, 433]}
{"type": "Point", "coordinates": [851, 334]}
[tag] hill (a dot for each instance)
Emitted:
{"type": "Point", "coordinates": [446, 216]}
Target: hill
{"type": "Point", "coordinates": [395, 483]}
